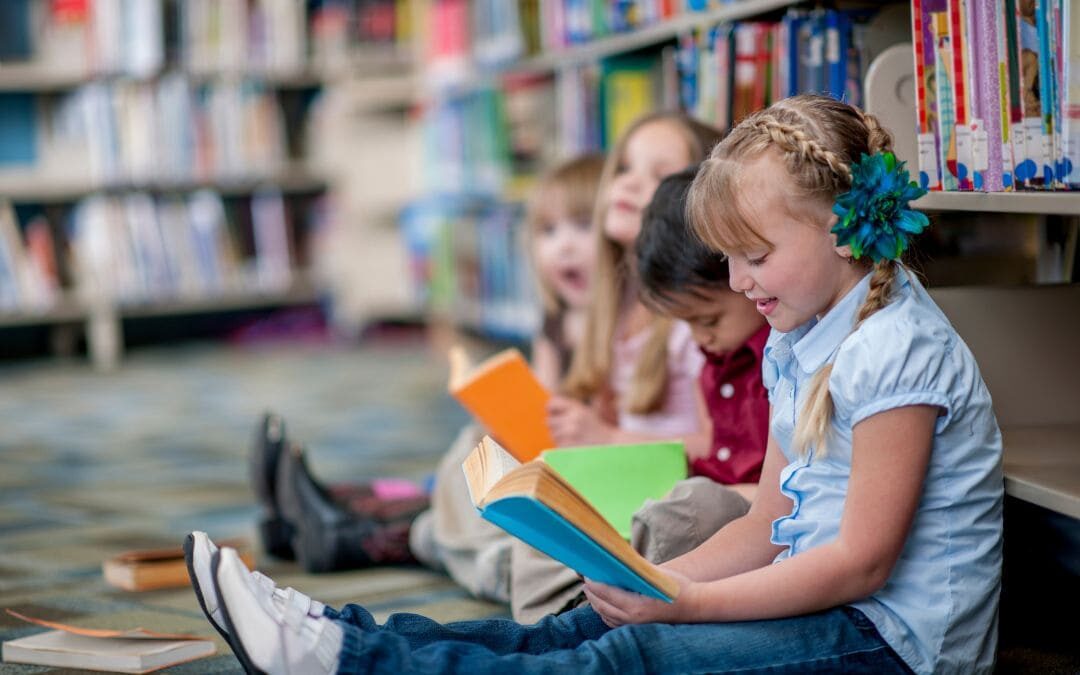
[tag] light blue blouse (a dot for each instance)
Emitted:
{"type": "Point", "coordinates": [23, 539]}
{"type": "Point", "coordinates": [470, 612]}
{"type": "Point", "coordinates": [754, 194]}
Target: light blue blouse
{"type": "Point", "coordinates": [938, 610]}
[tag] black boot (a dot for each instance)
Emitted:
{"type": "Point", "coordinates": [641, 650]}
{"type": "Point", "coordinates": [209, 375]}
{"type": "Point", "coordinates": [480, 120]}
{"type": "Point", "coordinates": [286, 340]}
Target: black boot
{"type": "Point", "coordinates": [274, 530]}
{"type": "Point", "coordinates": [326, 536]}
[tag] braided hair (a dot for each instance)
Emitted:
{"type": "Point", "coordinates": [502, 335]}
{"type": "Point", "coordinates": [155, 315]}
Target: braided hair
{"type": "Point", "coordinates": [818, 139]}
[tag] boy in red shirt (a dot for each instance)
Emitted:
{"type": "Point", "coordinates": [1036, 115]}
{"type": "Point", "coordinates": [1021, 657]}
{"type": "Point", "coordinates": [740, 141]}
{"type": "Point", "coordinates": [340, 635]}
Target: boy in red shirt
{"type": "Point", "coordinates": [683, 279]}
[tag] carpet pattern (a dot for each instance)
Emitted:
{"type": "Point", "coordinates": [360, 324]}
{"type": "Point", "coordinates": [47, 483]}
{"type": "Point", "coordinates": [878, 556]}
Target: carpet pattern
{"type": "Point", "coordinates": [97, 464]}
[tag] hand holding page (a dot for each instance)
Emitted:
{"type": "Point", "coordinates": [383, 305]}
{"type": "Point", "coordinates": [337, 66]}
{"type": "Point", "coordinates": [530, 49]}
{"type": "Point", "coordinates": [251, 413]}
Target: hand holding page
{"type": "Point", "coordinates": [535, 504]}
{"type": "Point", "coordinates": [503, 394]}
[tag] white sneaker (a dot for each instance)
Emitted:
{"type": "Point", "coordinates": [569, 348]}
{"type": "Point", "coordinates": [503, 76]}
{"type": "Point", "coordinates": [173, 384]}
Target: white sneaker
{"type": "Point", "coordinates": [199, 549]}
{"type": "Point", "coordinates": [267, 640]}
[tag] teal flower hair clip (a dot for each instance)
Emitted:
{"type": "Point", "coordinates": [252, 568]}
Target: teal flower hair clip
{"type": "Point", "coordinates": [874, 216]}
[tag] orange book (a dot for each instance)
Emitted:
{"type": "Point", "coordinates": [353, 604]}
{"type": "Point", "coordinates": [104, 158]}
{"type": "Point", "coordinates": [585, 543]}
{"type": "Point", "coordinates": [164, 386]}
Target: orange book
{"type": "Point", "coordinates": [503, 394]}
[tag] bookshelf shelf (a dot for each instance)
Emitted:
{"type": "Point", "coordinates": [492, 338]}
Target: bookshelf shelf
{"type": "Point", "coordinates": [1062, 203]}
{"type": "Point", "coordinates": [645, 37]}
{"type": "Point", "coordinates": [37, 188]}
{"type": "Point", "coordinates": [66, 310]}
{"type": "Point", "coordinates": [301, 292]}
{"type": "Point", "coordinates": [360, 64]}
{"type": "Point", "coordinates": [1042, 466]}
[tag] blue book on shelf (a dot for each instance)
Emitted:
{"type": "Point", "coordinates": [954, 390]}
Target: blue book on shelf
{"type": "Point", "coordinates": [18, 130]}
{"type": "Point", "coordinates": [15, 41]}
{"type": "Point", "coordinates": [837, 32]}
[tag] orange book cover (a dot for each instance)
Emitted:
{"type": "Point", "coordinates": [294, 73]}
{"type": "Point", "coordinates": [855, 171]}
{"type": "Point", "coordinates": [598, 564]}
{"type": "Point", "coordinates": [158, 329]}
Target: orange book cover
{"type": "Point", "coordinates": [503, 394]}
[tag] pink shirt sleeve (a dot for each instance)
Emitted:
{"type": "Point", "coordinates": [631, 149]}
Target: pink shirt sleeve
{"type": "Point", "coordinates": [679, 415]}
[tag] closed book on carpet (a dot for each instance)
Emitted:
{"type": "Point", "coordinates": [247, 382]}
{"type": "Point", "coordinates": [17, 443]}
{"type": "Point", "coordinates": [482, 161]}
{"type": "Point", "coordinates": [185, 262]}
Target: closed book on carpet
{"type": "Point", "coordinates": [130, 651]}
{"type": "Point", "coordinates": [503, 395]}
{"type": "Point", "coordinates": [534, 503]}
{"type": "Point", "coordinates": [151, 569]}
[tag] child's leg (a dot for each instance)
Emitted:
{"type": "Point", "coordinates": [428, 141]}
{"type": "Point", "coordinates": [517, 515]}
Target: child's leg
{"type": "Point", "coordinates": [539, 584]}
{"type": "Point", "coordinates": [840, 640]}
{"type": "Point", "coordinates": [500, 636]}
{"type": "Point", "coordinates": [693, 511]}
{"type": "Point", "coordinates": [452, 536]}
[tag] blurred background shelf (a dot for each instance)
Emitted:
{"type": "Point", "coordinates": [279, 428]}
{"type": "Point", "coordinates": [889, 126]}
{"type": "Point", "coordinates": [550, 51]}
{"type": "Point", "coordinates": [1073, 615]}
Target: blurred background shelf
{"type": "Point", "coordinates": [1060, 203]}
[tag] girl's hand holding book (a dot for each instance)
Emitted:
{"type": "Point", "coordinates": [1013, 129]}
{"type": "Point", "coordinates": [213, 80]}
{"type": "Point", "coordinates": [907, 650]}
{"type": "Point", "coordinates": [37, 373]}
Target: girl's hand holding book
{"type": "Point", "coordinates": [573, 423]}
{"type": "Point", "coordinates": [618, 607]}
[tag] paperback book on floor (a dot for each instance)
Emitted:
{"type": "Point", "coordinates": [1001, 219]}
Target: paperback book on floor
{"type": "Point", "coordinates": [121, 651]}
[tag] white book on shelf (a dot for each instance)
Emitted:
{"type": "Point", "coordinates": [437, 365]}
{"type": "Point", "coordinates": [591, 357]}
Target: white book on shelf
{"type": "Point", "coordinates": [178, 236]}
{"type": "Point", "coordinates": [143, 39]}
{"type": "Point", "coordinates": [107, 24]}
{"type": "Point", "coordinates": [207, 216]}
{"type": "Point", "coordinates": [271, 235]}
{"type": "Point", "coordinates": [9, 261]}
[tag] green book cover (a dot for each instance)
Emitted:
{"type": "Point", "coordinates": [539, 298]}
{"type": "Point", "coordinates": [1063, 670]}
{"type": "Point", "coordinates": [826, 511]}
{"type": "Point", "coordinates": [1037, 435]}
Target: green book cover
{"type": "Point", "coordinates": [617, 479]}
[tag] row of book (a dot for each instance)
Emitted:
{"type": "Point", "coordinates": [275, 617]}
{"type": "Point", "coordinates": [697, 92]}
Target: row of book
{"type": "Point", "coordinates": [466, 258]}
{"type": "Point", "coordinates": [997, 94]}
{"type": "Point", "coordinates": [486, 34]}
{"type": "Point", "coordinates": [137, 248]}
{"type": "Point", "coordinates": [140, 39]}
{"type": "Point", "coordinates": [733, 69]}
{"type": "Point", "coordinates": [133, 131]}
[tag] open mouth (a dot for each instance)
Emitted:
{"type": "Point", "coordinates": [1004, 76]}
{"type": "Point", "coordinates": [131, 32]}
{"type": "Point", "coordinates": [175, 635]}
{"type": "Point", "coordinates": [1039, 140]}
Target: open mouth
{"type": "Point", "coordinates": [574, 278]}
{"type": "Point", "coordinates": [766, 305]}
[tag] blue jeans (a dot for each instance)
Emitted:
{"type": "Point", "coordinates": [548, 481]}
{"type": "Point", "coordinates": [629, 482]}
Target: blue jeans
{"type": "Point", "coordinates": [838, 640]}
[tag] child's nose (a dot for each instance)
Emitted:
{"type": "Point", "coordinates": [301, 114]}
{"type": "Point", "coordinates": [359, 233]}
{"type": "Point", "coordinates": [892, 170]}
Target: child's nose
{"type": "Point", "coordinates": [738, 279]}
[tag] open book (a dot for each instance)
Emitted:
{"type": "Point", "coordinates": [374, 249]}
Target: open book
{"type": "Point", "coordinates": [535, 504]}
{"type": "Point", "coordinates": [129, 651]}
{"type": "Point", "coordinates": [503, 394]}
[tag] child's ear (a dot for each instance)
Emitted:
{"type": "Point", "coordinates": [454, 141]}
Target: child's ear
{"type": "Point", "coordinates": [842, 251]}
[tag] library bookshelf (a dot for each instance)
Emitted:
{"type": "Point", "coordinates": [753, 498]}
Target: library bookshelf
{"type": "Point", "coordinates": [217, 71]}
{"type": "Point", "coordinates": [1042, 456]}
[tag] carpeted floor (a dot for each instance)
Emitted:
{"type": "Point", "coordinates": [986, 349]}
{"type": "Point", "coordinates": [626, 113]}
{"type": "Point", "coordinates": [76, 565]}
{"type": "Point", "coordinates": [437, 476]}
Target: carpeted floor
{"type": "Point", "coordinates": [96, 464]}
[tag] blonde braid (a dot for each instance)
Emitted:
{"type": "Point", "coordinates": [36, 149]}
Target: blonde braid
{"type": "Point", "coordinates": [792, 139]}
{"type": "Point", "coordinates": [812, 427]}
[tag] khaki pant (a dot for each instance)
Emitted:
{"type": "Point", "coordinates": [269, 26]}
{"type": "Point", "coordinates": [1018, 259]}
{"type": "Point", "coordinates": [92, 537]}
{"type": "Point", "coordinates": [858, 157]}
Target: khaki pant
{"type": "Point", "coordinates": [489, 563]}
{"type": "Point", "coordinates": [452, 537]}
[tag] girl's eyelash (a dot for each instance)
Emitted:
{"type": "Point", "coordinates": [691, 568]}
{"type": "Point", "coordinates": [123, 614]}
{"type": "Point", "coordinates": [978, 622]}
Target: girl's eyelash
{"type": "Point", "coordinates": [754, 262]}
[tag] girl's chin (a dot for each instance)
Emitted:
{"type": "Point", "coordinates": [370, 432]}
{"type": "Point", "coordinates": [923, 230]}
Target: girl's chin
{"type": "Point", "coordinates": [622, 229]}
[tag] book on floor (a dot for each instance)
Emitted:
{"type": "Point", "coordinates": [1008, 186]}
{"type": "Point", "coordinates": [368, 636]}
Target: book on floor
{"type": "Point", "coordinates": [534, 503]}
{"type": "Point", "coordinates": [151, 569]}
{"type": "Point", "coordinates": [127, 651]}
{"type": "Point", "coordinates": [503, 394]}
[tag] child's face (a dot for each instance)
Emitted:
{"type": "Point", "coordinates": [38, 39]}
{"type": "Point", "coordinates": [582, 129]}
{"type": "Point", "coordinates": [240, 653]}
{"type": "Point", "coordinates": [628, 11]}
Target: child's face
{"type": "Point", "coordinates": [720, 320]}
{"type": "Point", "coordinates": [565, 256]}
{"type": "Point", "coordinates": [654, 151]}
{"type": "Point", "coordinates": [805, 273]}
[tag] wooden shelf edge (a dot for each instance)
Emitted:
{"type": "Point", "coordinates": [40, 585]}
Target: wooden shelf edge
{"type": "Point", "coordinates": [1042, 466]}
{"type": "Point", "coordinates": [604, 46]}
{"type": "Point", "coordinates": [36, 76]}
{"type": "Point", "coordinates": [300, 293]}
{"type": "Point", "coordinates": [64, 311]}
{"type": "Point", "coordinates": [47, 189]}
{"type": "Point", "coordinates": [1063, 203]}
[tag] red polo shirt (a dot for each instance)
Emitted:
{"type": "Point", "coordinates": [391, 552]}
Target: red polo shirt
{"type": "Point", "coordinates": [739, 407]}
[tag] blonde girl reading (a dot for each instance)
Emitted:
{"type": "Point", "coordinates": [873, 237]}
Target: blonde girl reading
{"type": "Point", "coordinates": [873, 544]}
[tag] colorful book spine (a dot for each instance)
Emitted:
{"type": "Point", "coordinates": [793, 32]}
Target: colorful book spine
{"type": "Point", "coordinates": [1004, 113]}
{"type": "Point", "coordinates": [963, 161]}
{"type": "Point", "coordinates": [1070, 94]}
{"type": "Point", "coordinates": [946, 118]}
{"type": "Point", "coordinates": [925, 92]}
{"type": "Point", "coordinates": [1047, 88]}
{"type": "Point", "coordinates": [988, 167]}
{"type": "Point", "coordinates": [1023, 166]}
